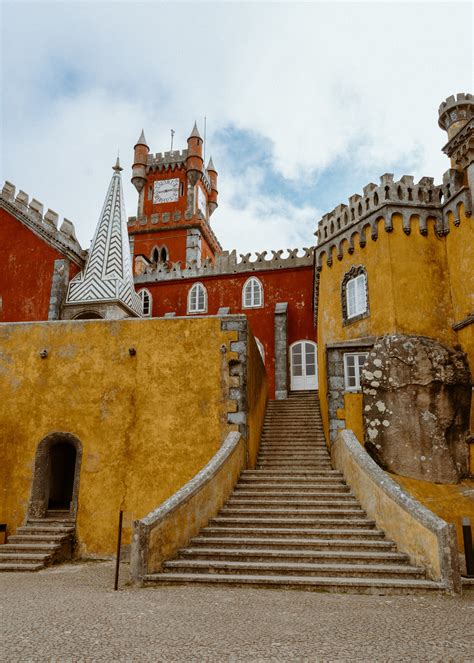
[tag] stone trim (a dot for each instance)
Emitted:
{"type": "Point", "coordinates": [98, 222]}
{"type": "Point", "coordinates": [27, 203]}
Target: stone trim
{"type": "Point", "coordinates": [59, 284]}
{"type": "Point", "coordinates": [281, 351]}
{"type": "Point", "coordinates": [336, 387]}
{"type": "Point", "coordinates": [45, 226]}
{"type": "Point", "coordinates": [372, 486]}
{"type": "Point", "coordinates": [38, 504]}
{"type": "Point", "coordinates": [238, 372]}
{"type": "Point", "coordinates": [354, 271]}
{"type": "Point", "coordinates": [469, 320]}
{"type": "Point", "coordinates": [142, 529]}
{"type": "Point", "coordinates": [227, 263]}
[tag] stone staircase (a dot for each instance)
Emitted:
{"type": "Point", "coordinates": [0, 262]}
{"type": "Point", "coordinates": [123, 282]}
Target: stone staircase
{"type": "Point", "coordinates": [39, 543]}
{"type": "Point", "coordinates": [294, 523]}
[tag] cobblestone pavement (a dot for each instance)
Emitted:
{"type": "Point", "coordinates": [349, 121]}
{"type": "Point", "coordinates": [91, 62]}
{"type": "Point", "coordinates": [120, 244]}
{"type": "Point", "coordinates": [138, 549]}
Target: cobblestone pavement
{"type": "Point", "coordinates": [71, 613]}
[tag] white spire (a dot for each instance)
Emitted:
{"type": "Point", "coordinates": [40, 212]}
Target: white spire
{"type": "Point", "coordinates": [108, 276]}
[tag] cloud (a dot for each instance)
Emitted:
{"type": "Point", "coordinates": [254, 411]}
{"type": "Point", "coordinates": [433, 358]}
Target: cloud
{"type": "Point", "coordinates": [303, 100]}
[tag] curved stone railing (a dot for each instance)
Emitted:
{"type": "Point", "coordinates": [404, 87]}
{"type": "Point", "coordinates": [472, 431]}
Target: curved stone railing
{"type": "Point", "coordinates": [427, 539]}
{"type": "Point", "coordinates": [159, 535]}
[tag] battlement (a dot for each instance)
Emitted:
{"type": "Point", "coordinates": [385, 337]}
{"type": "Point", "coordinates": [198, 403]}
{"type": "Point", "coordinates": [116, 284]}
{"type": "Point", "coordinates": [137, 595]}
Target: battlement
{"type": "Point", "coordinates": [455, 109]}
{"type": "Point", "coordinates": [422, 200]}
{"type": "Point", "coordinates": [30, 212]}
{"type": "Point", "coordinates": [228, 263]}
{"type": "Point", "coordinates": [176, 157]}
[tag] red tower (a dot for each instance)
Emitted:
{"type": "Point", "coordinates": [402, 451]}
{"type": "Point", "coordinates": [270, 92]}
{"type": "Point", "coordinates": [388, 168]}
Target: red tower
{"type": "Point", "coordinates": [176, 197]}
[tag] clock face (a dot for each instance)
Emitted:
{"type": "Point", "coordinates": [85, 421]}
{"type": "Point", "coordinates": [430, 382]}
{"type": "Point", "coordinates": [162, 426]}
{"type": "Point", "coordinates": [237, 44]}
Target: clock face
{"type": "Point", "coordinates": [202, 202]}
{"type": "Point", "coordinates": [166, 191]}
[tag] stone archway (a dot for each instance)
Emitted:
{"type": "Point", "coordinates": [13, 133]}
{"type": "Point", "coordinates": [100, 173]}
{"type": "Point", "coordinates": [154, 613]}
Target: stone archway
{"type": "Point", "coordinates": [56, 475]}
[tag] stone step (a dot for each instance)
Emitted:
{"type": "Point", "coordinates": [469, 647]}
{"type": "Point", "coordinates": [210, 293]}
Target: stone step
{"type": "Point", "coordinates": [45, 529]}
{"type": "Point", "coordinates": [300, 485]}
{"type": "Point", "coordinates": [293, 455]}
{"type": "Point", "coordinates": [294, 464]}
{"type": "Point", "coordinates": [24, 558]}
{"type": "Point", "coordinates": [292, 495]}
{"type": "Point", "coordinates": [290, 511]}
{"type": "Point", "coordinates": [296, 503]}
{"type": "Point", "coordinates": [45, 548]}
{"type": "Point", "coordinates": [274, 543]}
{"type": "Point", "coordinates": [279, 474]}
{"type": "Point", "coordinates": [319, 584]}
{"type": "Point", "coordinates": [290, 555]}
{"type": "Point", "coordinates": [280, 522]}
{"type": "Point", "coordinates": [294, 568]}
{"type": "Point", "coordinates": [36, 538]}
{"type": "Point", "coordinates": [50, 522]}
{"type": "Point", "coordinates": [324, 532]}
{"type": "Point", "coordinates": [14, 567]}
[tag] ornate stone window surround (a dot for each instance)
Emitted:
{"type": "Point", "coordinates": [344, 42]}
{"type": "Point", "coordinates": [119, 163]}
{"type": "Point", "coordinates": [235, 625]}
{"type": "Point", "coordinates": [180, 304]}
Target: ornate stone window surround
{"type": "Point", "coordinates": [353, 273]}
{"type": "Point", "coordinates": [201, 293]}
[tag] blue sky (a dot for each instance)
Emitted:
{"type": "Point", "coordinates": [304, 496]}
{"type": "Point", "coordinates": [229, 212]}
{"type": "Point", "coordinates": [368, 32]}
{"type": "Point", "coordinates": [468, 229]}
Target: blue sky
{"type": "Point", "coordinates": [306, 102]}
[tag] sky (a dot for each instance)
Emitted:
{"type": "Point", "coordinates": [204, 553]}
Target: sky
{"type": "Point", "coordinates": [306, 102]}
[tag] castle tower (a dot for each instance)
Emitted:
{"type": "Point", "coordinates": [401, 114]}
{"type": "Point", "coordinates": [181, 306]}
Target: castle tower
{"type": "Point", "coordinates": [105, 288]}
{"type": "Point", "coordinates": [456, 117]}
{"type": "Point", "coordinates": [176, 197]}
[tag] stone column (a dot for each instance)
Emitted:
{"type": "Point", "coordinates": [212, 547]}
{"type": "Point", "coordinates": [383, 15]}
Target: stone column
{"type": "Point", "coordinates": [281, 351]}
{"type": "Point", "coordinates": [59, 283]}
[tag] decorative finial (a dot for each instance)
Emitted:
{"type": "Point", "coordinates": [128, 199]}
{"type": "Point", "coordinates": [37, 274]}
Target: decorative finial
{"type": "Point", "coordinates": [117, 168]}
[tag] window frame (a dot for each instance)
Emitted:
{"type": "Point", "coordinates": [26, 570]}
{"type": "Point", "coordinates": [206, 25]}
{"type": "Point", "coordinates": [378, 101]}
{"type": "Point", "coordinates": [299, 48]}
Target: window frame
{"type": "Point", "coordinates": [197, 311]}
{"type": "Point", "coordinates": [353, 276]}
{"type": "Point", "coordinates": [248, 282]}
{"type": "Point", "coordinates": [357, 370]}
{"type": "Point", "coordinates": [142, 292]}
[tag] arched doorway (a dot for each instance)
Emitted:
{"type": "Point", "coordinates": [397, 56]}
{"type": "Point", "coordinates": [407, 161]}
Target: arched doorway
{"type": "Point", "coordinates": [56, 476]}
{"type": "Point", "coordinates": [303, 366]}
{"type": "Point", "coordinates": [61, 475]}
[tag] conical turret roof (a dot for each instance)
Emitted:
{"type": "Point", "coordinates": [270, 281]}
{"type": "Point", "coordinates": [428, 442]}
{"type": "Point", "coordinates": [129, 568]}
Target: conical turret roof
{"type": "Point", "coordinates": [108, 276]}
{"type": "Point", "coordinates": [210, 165]}
{"type": "Point", "coordinates": [195, 132]}
{"type": "Point", "coordinates": [142, 140]}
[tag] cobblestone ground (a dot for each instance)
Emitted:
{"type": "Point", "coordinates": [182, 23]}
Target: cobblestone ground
{"type": "Point", "coordinates": [71, 613]}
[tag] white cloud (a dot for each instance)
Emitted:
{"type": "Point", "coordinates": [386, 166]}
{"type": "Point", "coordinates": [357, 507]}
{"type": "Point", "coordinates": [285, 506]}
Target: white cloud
{"type": "Point", "coordinates": [322, 81]}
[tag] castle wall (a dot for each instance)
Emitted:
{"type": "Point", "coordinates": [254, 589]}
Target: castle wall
{"type": "Point", "coordinates": [26, 271]}
{"type": "Point", "coordinates": [286, 285]}
{"type": "Point", "coordinates": [147, 422]}
{"type": "Point", "coordinates": [408, 291]}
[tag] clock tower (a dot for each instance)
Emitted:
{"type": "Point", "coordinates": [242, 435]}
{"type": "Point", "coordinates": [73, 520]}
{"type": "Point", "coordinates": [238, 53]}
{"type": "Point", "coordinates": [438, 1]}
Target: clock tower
{"type": "Point", "coordinates": [176, 196]}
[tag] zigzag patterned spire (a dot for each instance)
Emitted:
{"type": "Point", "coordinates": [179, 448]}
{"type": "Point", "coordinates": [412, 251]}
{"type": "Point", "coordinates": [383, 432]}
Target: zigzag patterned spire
{"type": "Point", "coordinates": [108, 275]}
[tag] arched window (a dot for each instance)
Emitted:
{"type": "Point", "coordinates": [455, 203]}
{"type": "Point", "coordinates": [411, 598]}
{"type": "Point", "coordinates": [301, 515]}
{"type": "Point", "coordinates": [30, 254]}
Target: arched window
{"type": "Point", "coordinates": [252, 293]}
{"type": "Point", "coordinates": [145, 296]}
{"type": "Point", "coordinates": [260, 347]}
{"type": "Point", "coordinates": [155, 255]}
{"type": "Point", "coordinates": [163, 254]}
{"type": "Point", "coordinates": [197, 299]}
{"type": "Point", "coordinates": [354, 295]}
{"type": "Point", "coordinates": [303, 365]}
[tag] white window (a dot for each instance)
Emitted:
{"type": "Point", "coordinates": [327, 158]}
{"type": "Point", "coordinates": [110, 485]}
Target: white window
{"type": "Point", "coordinates": [252, 293]}
{"type": "Point", "coordinates": [260, 347]}
{"type": "Point", "coordinates": [356, 296]}
{"type": "Point", "coordinates": [145, 296]}
{"type": "Point", "coordinates": [353, 362]}
{"type": "Point", "coordinates": [197, 299]}
{"type": "Point", "coordinates": [303, 366]}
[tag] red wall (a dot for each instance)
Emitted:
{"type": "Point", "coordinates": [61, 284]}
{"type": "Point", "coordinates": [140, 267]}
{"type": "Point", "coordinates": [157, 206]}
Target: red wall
{"type": "Point", "coordinates": [294, 286]}
{"type": "Point", "coordinates": [26, 270]}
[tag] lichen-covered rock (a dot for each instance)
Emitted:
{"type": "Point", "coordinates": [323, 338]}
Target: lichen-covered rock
{"type": "Point", "coordinates": [417, 396]}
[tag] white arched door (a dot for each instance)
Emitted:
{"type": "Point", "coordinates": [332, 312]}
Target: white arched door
{"type": "Point", "coordinates": [303, 366]}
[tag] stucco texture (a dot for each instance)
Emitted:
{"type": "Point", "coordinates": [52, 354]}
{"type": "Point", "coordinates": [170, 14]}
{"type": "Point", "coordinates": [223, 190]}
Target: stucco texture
{"type": "Point", "coordinates": [257, 395]}
{"type": "Point", "coordinates": [412, 283]}
{"type": "Point", "coordinates": [147, 423]}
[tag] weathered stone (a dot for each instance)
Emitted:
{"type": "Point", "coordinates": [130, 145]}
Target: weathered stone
{"type": "Point", "coordinates": [417, 396]}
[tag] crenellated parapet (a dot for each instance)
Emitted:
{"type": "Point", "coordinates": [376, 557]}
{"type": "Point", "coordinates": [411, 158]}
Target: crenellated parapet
{"type": "Point", "coordinates": [414, 202]}
{"type": "Point", "coordinates": [228, 263]}
{"type": "Point", "coordinates": [44, 224]}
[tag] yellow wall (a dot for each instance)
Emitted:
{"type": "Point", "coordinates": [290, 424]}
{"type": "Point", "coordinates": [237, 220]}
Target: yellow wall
{"type": "Point", "coordinates": [408, 287]}
{"type": "Point", "coordinates": [147, 423]}
{"type": "Point", "coordinates": [257, 394]}
{"type": "Point", "coordinates": [352, 414]}
{"type": "Point", "coordinates": [449, 502]}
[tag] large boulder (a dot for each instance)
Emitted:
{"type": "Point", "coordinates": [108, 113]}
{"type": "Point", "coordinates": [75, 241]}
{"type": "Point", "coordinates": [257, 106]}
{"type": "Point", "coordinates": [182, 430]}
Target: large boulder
{"type": "Point", "coordinates": [417, 396]}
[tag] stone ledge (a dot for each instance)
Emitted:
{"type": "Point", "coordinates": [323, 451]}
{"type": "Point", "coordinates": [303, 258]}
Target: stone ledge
{"type": "Point", "coordinates": [417, 531]}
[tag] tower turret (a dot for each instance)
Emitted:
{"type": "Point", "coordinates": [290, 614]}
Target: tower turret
{"type": "Point", "coordinates": [141, 150]}
{"type": "Point", "coordinates": [212, 198]}
{"type": "Point", "coordinates": [456, 117]}
{"type": "Point", "coordinates": [194, 161]}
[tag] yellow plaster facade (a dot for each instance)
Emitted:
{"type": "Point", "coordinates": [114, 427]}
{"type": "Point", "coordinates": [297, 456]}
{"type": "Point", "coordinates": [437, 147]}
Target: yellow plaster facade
{"type": "Point", "coordinates": [147, 422]}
